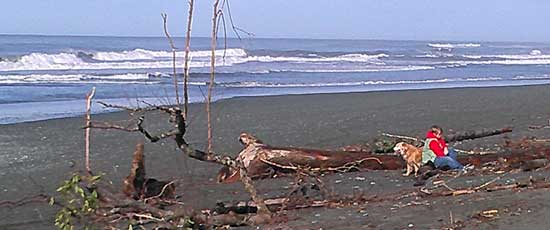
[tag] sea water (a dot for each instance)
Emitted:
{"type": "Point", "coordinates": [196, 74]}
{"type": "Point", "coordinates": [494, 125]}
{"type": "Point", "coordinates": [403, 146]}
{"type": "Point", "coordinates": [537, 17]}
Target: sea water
{"type": "Point", "coordinates": [44, 77]}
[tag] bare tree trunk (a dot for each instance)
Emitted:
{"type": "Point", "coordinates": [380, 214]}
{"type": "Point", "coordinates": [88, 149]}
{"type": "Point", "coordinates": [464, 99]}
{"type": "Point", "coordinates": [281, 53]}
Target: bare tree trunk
{"type": "Point", "coordinates": [212, 74]}
{"type": "Point", "coordinates": [88, 122]}
{"type": "Point", "coordinates": [173, 47]}
{"type": "Point", "coordinates": [186, 61]}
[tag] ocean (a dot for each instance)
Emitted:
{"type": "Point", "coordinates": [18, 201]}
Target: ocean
{"type": "Point", "coordinates": [45, 77]}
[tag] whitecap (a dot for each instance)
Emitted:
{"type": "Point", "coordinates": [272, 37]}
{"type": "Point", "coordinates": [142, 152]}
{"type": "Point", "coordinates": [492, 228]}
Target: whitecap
{"type": "Point", "coordinates": [453, 45]}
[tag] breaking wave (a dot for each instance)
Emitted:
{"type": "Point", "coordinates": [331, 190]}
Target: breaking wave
{"type": "Point", "coordinates": [148, 59]}
{"type": "Point", "coordinates": [143, 54]}
{"type": "Point", "coordinates": [253, 84]}
{"type": "Point", "coordinates": [453, 46]}
{"type": "Point", "coordinates": [365, 69]}
{"type": "Point", "coordinates": [78, 78]}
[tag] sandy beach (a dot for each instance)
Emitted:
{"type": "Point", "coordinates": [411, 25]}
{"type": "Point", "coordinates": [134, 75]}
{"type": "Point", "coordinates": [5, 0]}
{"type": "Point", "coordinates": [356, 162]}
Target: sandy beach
{"type": "Point", "coordinates": [37, 156]}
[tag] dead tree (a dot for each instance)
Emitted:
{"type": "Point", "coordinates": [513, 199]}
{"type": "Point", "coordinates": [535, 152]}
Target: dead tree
{"type": "Point", "coordinates": [212, 71]}
{"type": "Point", "coordinates": [174, 49]}
{"type": "Point", "coordinates": [186, 61]}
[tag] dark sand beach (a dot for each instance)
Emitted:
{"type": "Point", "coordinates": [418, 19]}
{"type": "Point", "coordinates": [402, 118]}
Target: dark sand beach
{"type": "Point", "coordinates": [37, 156]}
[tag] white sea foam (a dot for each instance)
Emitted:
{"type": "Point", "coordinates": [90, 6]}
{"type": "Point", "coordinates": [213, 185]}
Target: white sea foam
{"type": "Point", "coordinates": [437, 55]}
{"type": "Point", "coordinates": [503, 62]}
{"type": "Point", "coordinates": [453, 46]}
{"type": "Point", "coordinates": [74, 78]}
{"type": "Point", "coordinates": [534, 57]}
{"type": "Point", "coordinates": [142, 54]}
{"type": "Point", "coordinates": [72, 62]}
{"type": "Point", "coordinates": [342, 58]}
{"type": "Point", "coordinates": [363, 69]}
{"type": "Point", "coordinates": [253, 84]}
{"type": "Point", "coordinates": [535, 52]}
{"type": "Point", "coordinates": [543, 77]}
{"type": "Point", "coordinates": [146, 59]}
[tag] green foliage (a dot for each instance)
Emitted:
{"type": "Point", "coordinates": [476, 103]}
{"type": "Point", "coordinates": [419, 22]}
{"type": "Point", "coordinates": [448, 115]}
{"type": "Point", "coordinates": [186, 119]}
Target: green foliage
{"type": "Point", "coordinates": [78, 201]}
{"type": "Point", "coordinates": [384, 145]}
{"type": "Point", "coordinates": [186, 224]}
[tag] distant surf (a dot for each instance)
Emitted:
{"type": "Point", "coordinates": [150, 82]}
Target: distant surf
{"type": "Point", "coordinates": [53, 73]}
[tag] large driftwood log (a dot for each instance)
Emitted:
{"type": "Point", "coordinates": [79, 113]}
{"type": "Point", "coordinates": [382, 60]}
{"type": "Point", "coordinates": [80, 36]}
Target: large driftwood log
{"type": "Point", "coordinates": [262, 160]}
{"type": "Point", "coordinates": [474, 134]}
{"type": "Point", "coordinates": [386, 144]}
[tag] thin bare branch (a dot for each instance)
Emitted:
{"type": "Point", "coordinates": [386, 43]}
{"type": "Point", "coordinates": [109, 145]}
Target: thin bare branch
{"type": "Point", "coordinates": [186, 61]}
{"type": "Point", "coordinates": [105, 125]}
{"type": "Point", "coordinates": [174, 49]}
{"type": "Point", "coordinates": [236, 29]}
{"type": "Point", "coordinates": [212, 74]}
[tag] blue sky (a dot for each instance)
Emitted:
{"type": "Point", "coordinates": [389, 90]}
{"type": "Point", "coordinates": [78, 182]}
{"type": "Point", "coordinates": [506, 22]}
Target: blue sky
{"type": "Point", "coordinates": [489, 20]}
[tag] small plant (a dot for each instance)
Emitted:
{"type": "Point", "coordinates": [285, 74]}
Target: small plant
{"type": "Point", "coordinates": [78, 201]}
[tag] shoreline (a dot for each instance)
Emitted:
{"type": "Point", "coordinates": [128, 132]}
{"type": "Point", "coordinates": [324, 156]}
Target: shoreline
{"type": "Point", "coordinates": [82, 101]}
{"type": "Point", "coordinates": [39, 155]}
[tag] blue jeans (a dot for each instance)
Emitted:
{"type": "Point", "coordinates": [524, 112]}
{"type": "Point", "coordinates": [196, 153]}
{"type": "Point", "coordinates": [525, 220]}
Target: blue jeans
{"type": "Point", "coordinates": [449, 161]}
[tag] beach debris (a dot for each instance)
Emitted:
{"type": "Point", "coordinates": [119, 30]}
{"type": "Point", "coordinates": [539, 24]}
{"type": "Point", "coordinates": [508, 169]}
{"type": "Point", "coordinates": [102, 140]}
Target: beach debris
{"type": "Point", "coordinates": [263, 161]}
{"type": "Point", "coordinates": [138, 186]}
{"type": "Point", "coordinates": [474, 134]}
{"type": "Point", "coordinates": [388, 141]}
{"type": "Point", "coordinates": [546, 126]}
{"type": "Point", "coordinates": [259, 160]}
{"type": "Point", "coordinates": [489, 213]}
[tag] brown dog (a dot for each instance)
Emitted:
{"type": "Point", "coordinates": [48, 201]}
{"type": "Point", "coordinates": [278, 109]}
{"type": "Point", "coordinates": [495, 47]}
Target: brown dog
{"type": "Point", "coordinates": [411, 154]}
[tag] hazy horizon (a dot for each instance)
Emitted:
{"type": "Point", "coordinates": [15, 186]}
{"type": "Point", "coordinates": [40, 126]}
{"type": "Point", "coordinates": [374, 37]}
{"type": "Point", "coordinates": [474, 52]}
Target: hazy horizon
{"type": "Point", "coordinates": [418, 20]}
{"type": "Point", "coordinates": [289, 38]}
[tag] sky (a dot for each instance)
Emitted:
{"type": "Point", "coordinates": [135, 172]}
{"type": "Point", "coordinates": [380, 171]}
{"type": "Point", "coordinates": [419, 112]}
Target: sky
{"type": "Point", "coordinates": [464, 20]}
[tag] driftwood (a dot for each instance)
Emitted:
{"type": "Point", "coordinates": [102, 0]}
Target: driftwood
{"type": "Point", "coordinates": [138, 186]}
{"type": "Point", "coordinates": [469, 135]}
{"type": "Point", "coordinates": [262, 160]}
{"type": "Point", "coordinates": [89, 97]}
{"type": "Point", "coordinates": [386, 144]}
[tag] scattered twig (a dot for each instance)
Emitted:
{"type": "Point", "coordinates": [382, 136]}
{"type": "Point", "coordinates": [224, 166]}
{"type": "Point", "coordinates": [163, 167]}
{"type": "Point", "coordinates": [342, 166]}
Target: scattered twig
{"type": "Point", "coordinates": [161, 192]}
{"type": "Point", "coordinates": [472, 152]}
{"type": "Point", "coordinates": [452, 220]}
{"type": "Point", "coordinates": [540, 126]}
{"type": "Point", "coordinates": [25, 200]}
{"type": "Point", "coordinates": [491, 181]}
{"type": "Point", "coordinates": [401, 137]}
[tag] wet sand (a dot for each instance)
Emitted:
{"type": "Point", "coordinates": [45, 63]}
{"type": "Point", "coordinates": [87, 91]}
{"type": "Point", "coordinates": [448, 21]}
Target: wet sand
{"type": "Point", "coordinates": [36, 156]}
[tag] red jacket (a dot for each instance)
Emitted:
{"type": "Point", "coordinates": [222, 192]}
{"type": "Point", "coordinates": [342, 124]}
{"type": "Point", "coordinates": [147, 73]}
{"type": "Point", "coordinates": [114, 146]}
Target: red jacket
{"type": "Point", "coordinates": [438, 146]}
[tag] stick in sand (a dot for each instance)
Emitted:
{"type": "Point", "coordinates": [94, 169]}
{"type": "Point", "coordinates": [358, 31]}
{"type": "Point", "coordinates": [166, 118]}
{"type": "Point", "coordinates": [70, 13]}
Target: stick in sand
{"type": "Point", "coordinates": [89, 97]}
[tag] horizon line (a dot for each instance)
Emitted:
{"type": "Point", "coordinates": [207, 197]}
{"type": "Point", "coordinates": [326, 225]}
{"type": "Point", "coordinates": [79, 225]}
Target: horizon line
{"type": "Point", "coordinates": [254, 37]}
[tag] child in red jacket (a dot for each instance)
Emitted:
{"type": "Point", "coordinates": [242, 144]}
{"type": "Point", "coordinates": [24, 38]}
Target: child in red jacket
{"type": "Point", "coordinates": [436, 150]}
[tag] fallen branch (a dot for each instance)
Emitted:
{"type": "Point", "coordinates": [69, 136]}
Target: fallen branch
{"type": "Point", "coordinates": [25, 200]}
{"type": "Point", "coordinates": [540, 126]}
